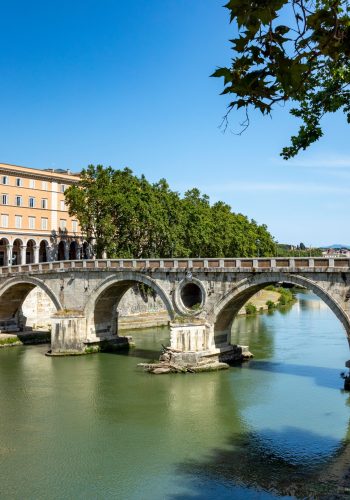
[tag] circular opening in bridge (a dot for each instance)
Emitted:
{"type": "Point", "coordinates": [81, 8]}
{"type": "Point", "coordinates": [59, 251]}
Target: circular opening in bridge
{"type": "Point", "coordinates": [191, 296]}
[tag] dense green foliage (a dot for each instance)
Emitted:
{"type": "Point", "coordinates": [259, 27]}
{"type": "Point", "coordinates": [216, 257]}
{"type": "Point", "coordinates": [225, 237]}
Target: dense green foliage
{"type": "Point", "coordinates": [287, 295]}
{"type": "Point", "coordinates": [126, 216]}
{"type": "Point", "coordinates": [250, 308]}
{"type": "Point", "coordinates": [288, 251]}
{"type": "Point", "coordinates": [270, 305]}
{"type": "Point", "coordinates": [9, 340]}
{"type": "Point", "coordinates": [290, 50]}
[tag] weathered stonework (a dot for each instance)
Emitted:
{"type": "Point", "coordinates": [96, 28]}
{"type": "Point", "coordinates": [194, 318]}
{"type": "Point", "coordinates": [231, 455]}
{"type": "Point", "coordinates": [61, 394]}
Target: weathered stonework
{"type": "Point", "coordinates": [190, 337]}
{"type": "Point", "coordinates": [207, 292]}
{"type": "Point", "coordinates": [67, 333]}
{"type": "Point", "coordinates": [134, 302]}
{"type": "Point", "coordinates": [135, 310]}
{"type": "Point", "coordinates": [36, 311]}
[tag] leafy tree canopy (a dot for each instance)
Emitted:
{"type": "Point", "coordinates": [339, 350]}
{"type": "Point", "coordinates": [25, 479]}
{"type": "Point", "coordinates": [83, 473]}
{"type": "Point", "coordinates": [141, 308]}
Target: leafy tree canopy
{"type": "Point", "coordinates": [127, 216]}
{"type": "Point", "coordinates": [290, 50]}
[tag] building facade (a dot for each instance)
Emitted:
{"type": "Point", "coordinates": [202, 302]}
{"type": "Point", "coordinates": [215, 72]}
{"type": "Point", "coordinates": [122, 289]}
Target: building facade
{"type": "Point", "coordinates": [34, 222]}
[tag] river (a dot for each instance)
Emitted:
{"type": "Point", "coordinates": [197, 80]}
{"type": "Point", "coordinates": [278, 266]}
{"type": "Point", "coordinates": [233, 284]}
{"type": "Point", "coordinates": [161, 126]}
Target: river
{"type": "Point", "coordinates": [97, 427]}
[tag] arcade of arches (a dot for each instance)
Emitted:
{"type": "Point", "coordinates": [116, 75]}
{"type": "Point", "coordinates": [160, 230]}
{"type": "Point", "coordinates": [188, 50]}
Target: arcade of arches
{"type": "Point", "coordinates": [21, 251]}
{"type": "Point", "coordinates": [211, 295]}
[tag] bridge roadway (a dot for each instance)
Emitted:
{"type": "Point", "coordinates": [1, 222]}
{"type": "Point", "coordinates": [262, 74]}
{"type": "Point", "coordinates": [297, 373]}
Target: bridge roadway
{"type": "Point", "coordinates": [202, 296]}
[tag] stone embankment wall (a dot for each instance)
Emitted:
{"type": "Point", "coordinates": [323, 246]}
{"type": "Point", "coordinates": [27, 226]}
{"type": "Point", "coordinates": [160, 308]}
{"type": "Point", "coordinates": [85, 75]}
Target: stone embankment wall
{"type": "Point", "coordinates": [138, 301]}
{"type": "Point", "coordinates": [137, 309]}
{"type": "Point", "coordinates": [36, 310]}
{"type": "Point", "coordinates": [260, 298]}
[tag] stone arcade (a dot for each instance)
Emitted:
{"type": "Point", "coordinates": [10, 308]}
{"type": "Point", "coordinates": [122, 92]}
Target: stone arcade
{"type": "Point", "coordinates": [201, 296]}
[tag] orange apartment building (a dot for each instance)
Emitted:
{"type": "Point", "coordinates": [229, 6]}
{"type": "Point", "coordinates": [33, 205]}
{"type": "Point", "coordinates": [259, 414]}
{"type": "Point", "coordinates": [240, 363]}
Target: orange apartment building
{"type": "Point", "coordinates": [34, 221]}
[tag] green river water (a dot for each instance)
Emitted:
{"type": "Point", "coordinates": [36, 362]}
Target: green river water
{"type": "Point", "coordinates": [97, 427]}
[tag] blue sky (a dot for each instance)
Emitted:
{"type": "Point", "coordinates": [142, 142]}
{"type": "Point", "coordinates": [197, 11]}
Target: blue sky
{"type": "Point", "coordinates": [126, 83]}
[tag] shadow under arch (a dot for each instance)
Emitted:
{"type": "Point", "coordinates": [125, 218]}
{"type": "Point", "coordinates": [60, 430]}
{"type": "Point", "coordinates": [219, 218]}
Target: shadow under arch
{"type": "Point", "coordinates": [101, 308]}
{"type": "Point", "coordinates": [14, 291]}
{"type": "Point", "coordinates": [226, 309]}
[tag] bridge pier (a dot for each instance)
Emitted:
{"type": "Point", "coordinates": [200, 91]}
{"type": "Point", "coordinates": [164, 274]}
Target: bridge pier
{"type": "Point", "coordinates": [193, 342]}
{"type": "Point", "coordinates": [69, 336]}
{"type": "Point", "coordinates": [189, 337]}
{"type": "Point", "coordinates": [68, 333]}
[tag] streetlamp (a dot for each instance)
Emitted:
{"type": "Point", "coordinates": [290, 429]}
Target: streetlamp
{"type": "Point", "coordinates": [257, 246]}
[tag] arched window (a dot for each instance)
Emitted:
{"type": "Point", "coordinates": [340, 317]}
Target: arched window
{"type": "Point", "coordinates": [73, 251]}
{"type": "Point", "coordinates": [43, 251]}
{"type": "Point", "coordinates": [61, 254]}
{"type": "Point", "coordinates": [30, 251]}
{"type": "Point", "coordinates": [17, 252]}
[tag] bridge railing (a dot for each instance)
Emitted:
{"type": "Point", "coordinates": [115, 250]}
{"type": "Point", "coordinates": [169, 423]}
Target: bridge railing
{"type": "Point", "coordinates": [184, 264]}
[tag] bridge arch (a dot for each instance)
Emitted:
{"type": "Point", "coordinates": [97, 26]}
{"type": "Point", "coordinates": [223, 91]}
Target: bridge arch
{"type": "Point", "coordinates": [15, 290]}
{"type": "Point", "coordinates": [226, 309]}
{"type": "Point", "coordinates": [100, 309]}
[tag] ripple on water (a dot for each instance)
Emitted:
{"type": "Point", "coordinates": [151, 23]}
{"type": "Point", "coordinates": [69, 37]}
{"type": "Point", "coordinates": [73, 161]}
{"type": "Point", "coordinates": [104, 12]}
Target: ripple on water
{"type": "Point", "coordinates": [96, 426]}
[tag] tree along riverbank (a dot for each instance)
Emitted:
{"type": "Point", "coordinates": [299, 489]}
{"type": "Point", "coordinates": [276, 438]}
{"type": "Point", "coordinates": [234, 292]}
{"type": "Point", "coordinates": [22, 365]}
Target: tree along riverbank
{"type": "Point", "coordinates": [269, 299]}
{"type": "Point", "coordinates": [129, 217]}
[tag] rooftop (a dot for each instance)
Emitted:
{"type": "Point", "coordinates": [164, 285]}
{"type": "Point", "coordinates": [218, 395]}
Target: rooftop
{"type": "Point", "coordinates": [48, 173]}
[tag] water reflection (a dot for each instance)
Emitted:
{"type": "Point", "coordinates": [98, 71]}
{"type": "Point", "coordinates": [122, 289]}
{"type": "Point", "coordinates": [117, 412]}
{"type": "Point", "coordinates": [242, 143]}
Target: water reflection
{"type": "Point", "coordinates": [251, 462]}
{"type": "Point", "coordinates": [326, 377]}
{"type": "Point", "coordinates": [251, 330]}
{"type": "Point", "coordinates": [98, 427]}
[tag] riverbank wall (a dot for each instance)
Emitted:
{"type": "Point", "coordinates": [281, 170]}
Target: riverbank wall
{"type": "Point", "coordinates": [139, 308]}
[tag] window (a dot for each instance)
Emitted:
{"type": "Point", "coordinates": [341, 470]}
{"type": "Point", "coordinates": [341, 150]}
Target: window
{"type": "Point", "coordinates": [63, 206]}
{"type": "Point", "coordinates": [31, 221]}
{"type": "Point", "coordinates": [4, 179]}
{"type": "Point", "coordinates": [74, 226]}
{"type": "Point", "coordinates": [44, 203]}
{"type": "Point", "coordinates": [4, 220]}
{"type": "Point", "coordinates": [18, 201]}
{"type": "Point", "coordinates": [44, 185]}
{"type": "Point", "coordinates": [63, 223]}
{"type": "Point", "coordinates": [44, 223]}
{"type": "Point", "coordinates": [32, 183]}
{"type": "Point", "coordinates": [31, 202]}
{"type": "Point", "coordinates": [63, 188]}
{"type": "Point", "coordinates": [19, 182]}
{"type": "Point", "coordinates": [5, 199]}
{"type": "Point", "coordinates": [18, 221]}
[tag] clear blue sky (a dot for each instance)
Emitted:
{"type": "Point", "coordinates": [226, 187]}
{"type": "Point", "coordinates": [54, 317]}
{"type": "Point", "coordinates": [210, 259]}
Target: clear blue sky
{"type": "Point", "coordinates": [126, 83]}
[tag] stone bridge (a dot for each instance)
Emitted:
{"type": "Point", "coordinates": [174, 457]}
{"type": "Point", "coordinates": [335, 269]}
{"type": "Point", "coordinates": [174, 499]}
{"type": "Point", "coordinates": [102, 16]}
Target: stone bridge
{"type": "Point", "coordinates": [202, 296]}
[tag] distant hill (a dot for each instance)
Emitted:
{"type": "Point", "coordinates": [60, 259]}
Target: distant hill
{"type": "Point", "coordinates": [337, 246]}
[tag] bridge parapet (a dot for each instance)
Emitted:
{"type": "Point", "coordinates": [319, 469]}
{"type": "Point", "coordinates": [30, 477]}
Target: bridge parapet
{"type": "Point", "coordinates": [232, 264]}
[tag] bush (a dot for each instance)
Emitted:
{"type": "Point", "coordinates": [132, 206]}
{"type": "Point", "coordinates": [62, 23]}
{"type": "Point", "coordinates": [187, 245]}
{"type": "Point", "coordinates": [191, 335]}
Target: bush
{"type": "Point", "coordinates": [270, 305]}
{"type": "Point", "coordinates": [250, 308]}
{"type": "Point", "coordinates": [283, 300]}
{"type": "Point", "coordinates": [9, 340]}
{"type": "Point", "coordinates": [286, 296]}
{"type": "Point", "coordinates": [92, 349]}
